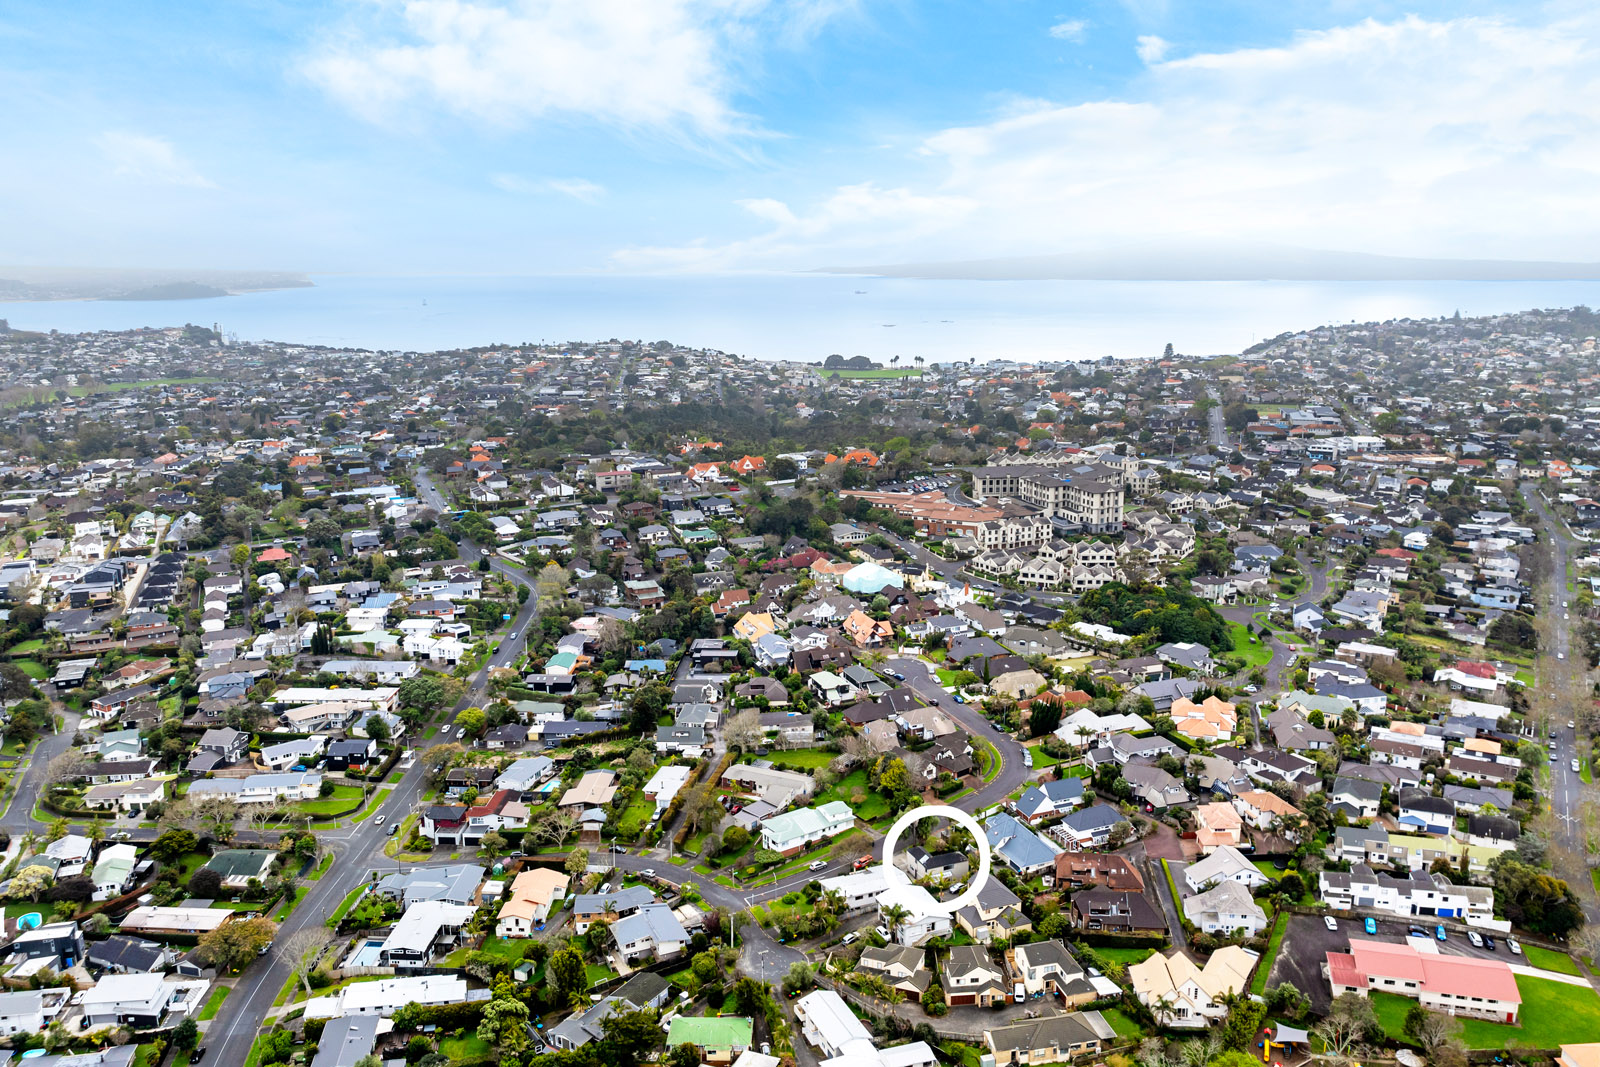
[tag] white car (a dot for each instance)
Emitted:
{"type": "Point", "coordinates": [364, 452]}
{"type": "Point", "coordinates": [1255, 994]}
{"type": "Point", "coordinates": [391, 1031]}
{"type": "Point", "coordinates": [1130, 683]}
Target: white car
{"type": "Point", "coordinates": [1330, 922]}
{"type": "Point", "coordinates": [850, 937]}
{"type": "Point", "coordinates": [379, 820]}
{"type": "Point", "coordinates": [1476, 938]}
{"type": "Point", "coordinates": [1571, 725]}
{"type": "Point", "coordinates": [649, 872]}
{"type": "Point", "coordinates": [882, 931]}
{"type": "Point", "coordinates": [815, 865]}
{"type": "Point", "coordinates": [1514, 945]}
{"type": "Point", "coordinates": [1574, 766]}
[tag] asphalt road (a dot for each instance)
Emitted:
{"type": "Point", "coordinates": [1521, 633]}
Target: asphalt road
{"type": "Point", "coordinates": [1561, 672]}
{"type": "Point", "coordinates": [358, 853]}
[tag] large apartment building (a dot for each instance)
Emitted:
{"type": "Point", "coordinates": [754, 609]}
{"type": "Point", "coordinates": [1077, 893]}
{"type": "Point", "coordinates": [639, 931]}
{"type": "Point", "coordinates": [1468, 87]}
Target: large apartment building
{"type": "Point", "coordinates": [1089, 495]}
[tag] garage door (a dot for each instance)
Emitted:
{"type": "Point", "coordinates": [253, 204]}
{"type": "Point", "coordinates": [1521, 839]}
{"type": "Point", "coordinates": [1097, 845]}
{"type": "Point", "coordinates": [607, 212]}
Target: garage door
{"type": "Point", "coordinates": [963, 998]}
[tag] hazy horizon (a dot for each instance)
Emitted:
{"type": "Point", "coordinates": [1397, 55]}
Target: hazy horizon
{"type": "Point", "coordinates": [516, 137]}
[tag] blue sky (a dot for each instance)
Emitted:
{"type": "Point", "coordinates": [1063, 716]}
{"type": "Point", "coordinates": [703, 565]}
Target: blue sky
{"type": "Point", "coordinates": [537, 136]}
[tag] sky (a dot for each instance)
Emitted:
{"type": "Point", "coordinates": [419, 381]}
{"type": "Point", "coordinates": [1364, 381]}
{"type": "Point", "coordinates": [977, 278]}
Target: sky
{"type": "Point", "coordinates": [555, 136]}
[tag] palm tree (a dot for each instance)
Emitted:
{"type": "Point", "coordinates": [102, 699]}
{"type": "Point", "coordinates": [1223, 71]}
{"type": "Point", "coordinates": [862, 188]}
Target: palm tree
{"type": "Point", "coordinates": [894, 917]}
{"type": "Point", "coordinates": [833, 900]}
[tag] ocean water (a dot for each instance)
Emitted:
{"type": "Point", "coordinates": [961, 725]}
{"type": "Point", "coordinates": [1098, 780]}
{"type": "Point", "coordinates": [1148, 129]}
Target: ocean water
{"type": "Point", "coordinates": [805, 316]}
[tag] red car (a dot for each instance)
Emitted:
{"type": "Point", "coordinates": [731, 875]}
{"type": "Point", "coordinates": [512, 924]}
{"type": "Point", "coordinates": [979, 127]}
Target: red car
{"type": "Point", "coordinates": [862, 862]}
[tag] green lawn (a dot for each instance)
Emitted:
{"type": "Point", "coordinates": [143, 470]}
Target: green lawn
{"type": "Point", "coordinates": [214, 1002]}
{"type": "Point", "coordinates": [634, 816]}
{"type": "Point", "coordinates": [23, 648]}
{"type": "Point", "coordinates": [290, 905]}
{"type": "Point", "coordinates": [1041, 758]}
{"type": "Point", "coordinates": [806, 758]}
{"type": "Point", "coordinates": [1553, 1013]}
{"type": "Point", "coordinates": [946, 677]}
{"type": "Point", "coordinates": [880, 372]}
{"type": "Point", "coordinates": [1255, 653]}
{"type": "Point", "coordinates": [598, 972]}
{"type": "Point", "coordinates": [1266, 868]}
{"type": "Point", "coordinates": [1545, 959]}
{"type": "Point", "coordinates": [468, 1048]}
{"type": "Point", "coordinates": [988, 759]}
{"type": "Point", "coordinates": [32, 668]}
{"type": "Point", "coordinates": [1258, 984]}
{"type": "Point", "coordinates": [871, 805]}
{"type": "Point", "coordinates": [322, 868]}
{"type": "Point", "coordinates": [345, 905]}
{"type": "Point", "coordinates": [1125, 956]}
{"type": "Point", "coordinates": [1125, 1027]}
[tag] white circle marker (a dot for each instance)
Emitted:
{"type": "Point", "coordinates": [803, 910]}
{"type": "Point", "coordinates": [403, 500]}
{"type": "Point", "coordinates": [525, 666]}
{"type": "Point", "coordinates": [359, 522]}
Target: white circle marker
{"type": "Point", "coordinates": [943, 811]}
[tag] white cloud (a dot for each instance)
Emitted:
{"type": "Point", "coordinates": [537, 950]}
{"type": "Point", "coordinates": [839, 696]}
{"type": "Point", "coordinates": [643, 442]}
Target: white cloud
{"type": "Point", "coordinates": [635, 64]}
{"type": "Point", "coordinates": [1152, 49]}
{"type": "Point", "coordinates": [149, 159]}
{"type": "Point", "coordinates": [1475, 137]}
{"type": "Point", "coordinates": [1070, 30]}
{"type": "Point", "coordinates": [577, 188]}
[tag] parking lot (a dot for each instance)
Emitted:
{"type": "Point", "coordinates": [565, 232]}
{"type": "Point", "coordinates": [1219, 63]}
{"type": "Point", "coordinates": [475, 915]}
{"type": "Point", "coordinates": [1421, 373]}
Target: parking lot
{"type": "Point", "coordinates": [1307, 941]}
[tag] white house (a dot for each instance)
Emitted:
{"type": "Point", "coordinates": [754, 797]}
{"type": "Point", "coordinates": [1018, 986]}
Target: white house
{"type": "Point", "coordinates": [1226, 864]}
{"type": "Point", "coordinates": [1225, 908]}
{"type": "Point", "coordinates": [924, 917]}
{"type": "Point", "coordinates": [790, 832]}
{"type": "Point", "coordinates": [1182, 995]}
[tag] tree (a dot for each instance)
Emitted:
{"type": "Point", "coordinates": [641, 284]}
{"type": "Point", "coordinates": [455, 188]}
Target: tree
{"type": "Point", "coordinates": [205, 883]}
{"type": "Point", "coordinates": [684, 1054]}
{"type": "Point", "coordinates": [422, 691]}
{"type": "Point", "coordinates": [30, 882]}
{"type": "Point", "coordinates": [1350, 1018]}
{"type": "Point", "coordinates": [744, 731]}
{"type": "Point", "coordinates": [1242, 1023]}
{"type": "Point", "coordinates": [577, 862]}
{"type": "Point", "coordinates": [504, 1025]}
{"type": "Point", "coordinates": [1431, 1030]}
{"type": "Point", "coordinates": [378, 729]}
{"type": "Point", "coordinates": [14, 682]}
{"type": "Point", "coordinates": [494, 843]}
{"type": "Point", "coordinates": [894, 917]}
{"type": "Point", "coordinates": [552, 828]}
{"type": "Point", "coordinates": [187, 1034]}
{"type": "Point", "coordinates": [472, 720]}
{"type": "Point", "coordinates": [568, 973]}
{"type": "Point", "coordinates": [630, 1036]}
{"type": "Point", "coordinates": [302, 949]}
{"type": "Point", "coordinates": [232, 945]}
{"type": "Point", "coordinates": [439, 758]}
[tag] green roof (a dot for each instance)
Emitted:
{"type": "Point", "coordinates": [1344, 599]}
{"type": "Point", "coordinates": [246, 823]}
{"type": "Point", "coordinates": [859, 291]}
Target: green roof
{"type": "Point", "coordinates": [241, 862]}
{"type": "Point", "coordinates": [718, 1031]}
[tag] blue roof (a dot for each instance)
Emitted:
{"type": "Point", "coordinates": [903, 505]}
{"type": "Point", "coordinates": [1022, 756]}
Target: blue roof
{"type": "Point", "coordinates": [1018, 845]}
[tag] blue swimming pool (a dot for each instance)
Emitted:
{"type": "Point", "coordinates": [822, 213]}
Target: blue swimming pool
{"type": "Point", "coordinates": [365, 955]}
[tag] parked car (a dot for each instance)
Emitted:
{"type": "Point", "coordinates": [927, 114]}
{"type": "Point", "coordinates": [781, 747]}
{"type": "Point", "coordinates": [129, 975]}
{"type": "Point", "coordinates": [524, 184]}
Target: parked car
{"type": "Point", "coordinates": [1370, 924]}
{"type": "Point", "coordinates": [815, 865]}
{"type": "Point", "coordinates": [861, 863]}
{"type": "Point", "coordinates": [882, 931]}
{"type": "Point", "coordinates": [1488, 943]}
{"type": "Point", "coordinates": [850, 938]}
{"type": "Point", "coordinates": [649, 872]}
{"type": "Point", "coordinates": [1514, 945]}
{"type": "Point", "coordinates": [1416, 931]}
{"type": "Point", "coordinates": [1476, 938]}
{"type": "Point", "coordinates": [1438, 931]}
{"type": "Point", "coordinates": [1575, 765]}
{"type": "Point", "coordinates": [1330, 922]}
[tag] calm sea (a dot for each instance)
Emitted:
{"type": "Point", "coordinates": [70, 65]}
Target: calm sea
{"type": "Point", "coordinates": [806, 316]}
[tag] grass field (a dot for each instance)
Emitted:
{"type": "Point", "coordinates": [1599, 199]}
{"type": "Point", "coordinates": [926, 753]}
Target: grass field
{"type": "Point", "coordinates": [1258, 984]}
{"type": "Point", "coordinates": [214, 1002]}
{"type": "Point", "coordinates": [807, 758]}
{"type": "Point", "coordinates": [1547, 960]}
{"type": "Point", "coordinates": [1041, 758]}
{"type": "Point", "coordinates": [32, 668]}
{"type": "Point", "coordinates": [1255, 653]}
{"type": "Point", "coordinates": [1553, 1013]}
{"type": "Point", "coordinates": [870, 806]}
{"type": "Point", "coordinates": [468, 1048]}
{"type": "Point", "coordinates": [23, 648]}
{"type": "Point", "coordinates": [346, 904]}
{"type": "Point", "coordinates": [881, 372]}
{"type": "Point", "coordinates": [634, 816]}
{"type": "Point", "coordinates": [1124, 956]}
{"type": "Point", "coordinates": [946, 676]}
{"type": "Point", "coordinates": [598, 972]}
{"type": "Point", "coordinates": [1125, 1027]}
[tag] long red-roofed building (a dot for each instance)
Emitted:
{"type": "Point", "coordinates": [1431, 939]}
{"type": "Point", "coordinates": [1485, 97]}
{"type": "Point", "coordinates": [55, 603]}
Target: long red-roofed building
{"type": "Point", "coordinates": [1457, 985]}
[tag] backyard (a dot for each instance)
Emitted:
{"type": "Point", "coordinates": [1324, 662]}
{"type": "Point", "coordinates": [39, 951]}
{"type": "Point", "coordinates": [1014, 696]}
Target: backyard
{"type": "Point", "coordinates": [1553, 1013]}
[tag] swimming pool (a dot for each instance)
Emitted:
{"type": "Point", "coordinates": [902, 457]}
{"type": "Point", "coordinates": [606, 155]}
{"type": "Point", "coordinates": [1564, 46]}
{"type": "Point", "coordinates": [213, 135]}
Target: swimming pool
{"type": "Point", "coordinates": [365, 954]}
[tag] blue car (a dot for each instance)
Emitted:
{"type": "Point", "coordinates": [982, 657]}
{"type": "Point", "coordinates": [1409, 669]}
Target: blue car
{"type": "Point", "coordinates": [1371, 925]}
{"type": "Point", "coordinates": [1438, 931]}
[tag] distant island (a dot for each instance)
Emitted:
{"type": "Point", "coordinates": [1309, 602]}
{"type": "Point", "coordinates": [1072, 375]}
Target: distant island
{"type": "Point", "coordinates": [1225, 261]}
{"type": "Point", "coordinates": [172, 291]}
{"type": "Point", "coordinates": [79, 283]}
